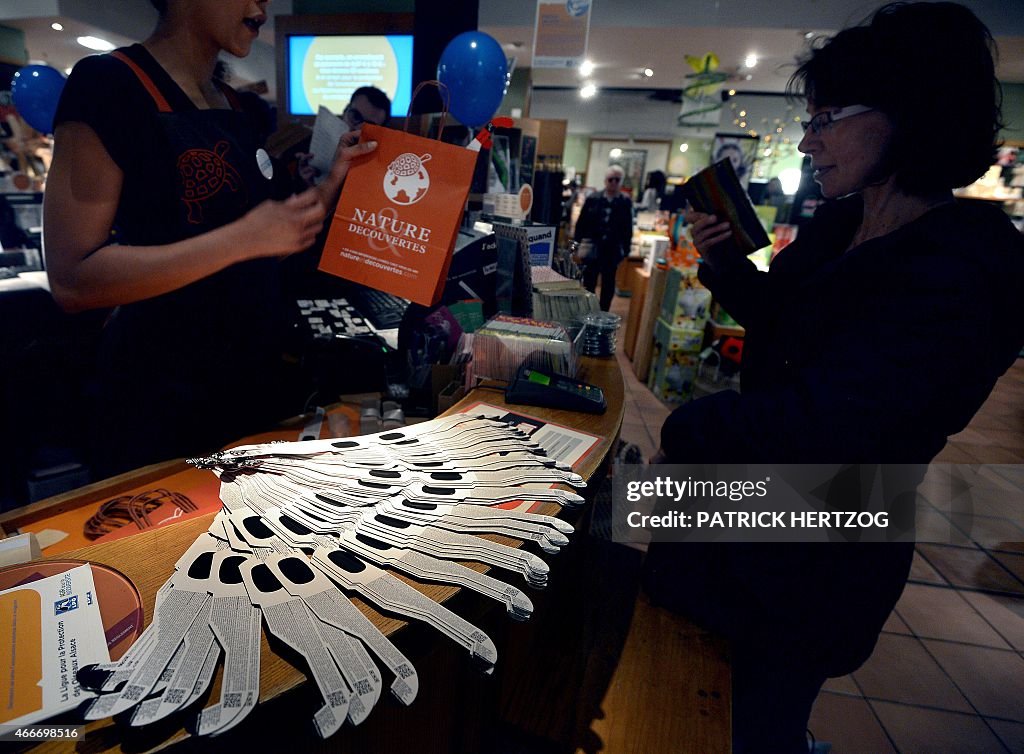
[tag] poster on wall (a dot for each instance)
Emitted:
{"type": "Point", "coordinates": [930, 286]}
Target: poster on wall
{"type": "Point", "coordinates": [560, 33]}
{"type": "Point", "coordinates": [741, 150]}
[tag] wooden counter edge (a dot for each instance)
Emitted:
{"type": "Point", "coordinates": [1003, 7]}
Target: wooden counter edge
{"type": "Point", "coordinates": [136, 553]}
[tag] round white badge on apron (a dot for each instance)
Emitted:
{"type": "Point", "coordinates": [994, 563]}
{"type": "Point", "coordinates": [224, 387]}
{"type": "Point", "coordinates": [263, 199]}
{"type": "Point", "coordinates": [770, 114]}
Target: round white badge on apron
{"type": "Point", "coordinates": [264, 163]}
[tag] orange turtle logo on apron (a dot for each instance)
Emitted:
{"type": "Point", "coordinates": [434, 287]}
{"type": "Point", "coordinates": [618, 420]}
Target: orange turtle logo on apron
{"type": "Point", "coordinates": [204, 172]}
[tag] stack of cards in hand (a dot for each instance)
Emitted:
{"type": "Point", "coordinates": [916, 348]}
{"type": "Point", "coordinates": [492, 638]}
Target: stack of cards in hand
{"type": "Point", "coordinates": [410, 500]}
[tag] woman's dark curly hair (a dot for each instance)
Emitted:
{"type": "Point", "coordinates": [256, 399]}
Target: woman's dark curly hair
{"type": "Point", "coordinates": [930, 67]}
{"type": "Point", "coordinates": [160, 5]}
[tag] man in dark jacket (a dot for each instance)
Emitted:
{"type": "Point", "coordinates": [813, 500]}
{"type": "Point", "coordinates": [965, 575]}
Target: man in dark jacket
{"type": "Point", "coordinates": [607, 221]}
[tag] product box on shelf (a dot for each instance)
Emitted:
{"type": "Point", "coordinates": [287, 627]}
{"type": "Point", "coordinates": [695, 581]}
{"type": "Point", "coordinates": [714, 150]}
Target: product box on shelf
{"type": "Point", "coordinates": [685, 302]}
{"type": "Point", "coordinates": [673, 376]}
{"type": "Point", "coordinates": [674, 361]}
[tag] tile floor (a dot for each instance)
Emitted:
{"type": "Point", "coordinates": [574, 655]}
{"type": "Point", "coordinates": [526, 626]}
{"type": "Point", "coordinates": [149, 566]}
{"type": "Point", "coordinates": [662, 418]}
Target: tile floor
{"type": "Point", "coordinates": [947, 674]}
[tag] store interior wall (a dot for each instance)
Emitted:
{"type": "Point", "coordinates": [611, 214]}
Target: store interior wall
{"type": "Point", "coordinates": [12, 46]}
{"type": "Point", "coordinates": [303, 7]}
{"type": "Point", "coordinates": [1013, 113]}
{"type": "Point", "coordinates": [656, 158]}
{"type": "Point", "coordinates": [626, 118]}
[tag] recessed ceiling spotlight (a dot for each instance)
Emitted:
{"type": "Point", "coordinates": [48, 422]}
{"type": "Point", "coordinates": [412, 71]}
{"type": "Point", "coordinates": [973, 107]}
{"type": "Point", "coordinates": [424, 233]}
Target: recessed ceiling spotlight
{"type": "Point", "coordinates": [67, 71]}
{"type": "Point", "coordinates": [95, 43]}
{"type": "Point", "coordinates": [750, 61]}
{"type": "Point", "coordinates": [586, 67]}
{"type": "Point", "coordinates": [57, 26]}
{"type": "Point", "coordinates": [732, 92]}
{"type": "Point", "coordinates": [748, 77]}
{"type": "Point", "coordinates": [808, 34]}
{"type": "Point", "coordinates": [588, 90]}
{"type": "Point", "coordinates": [615, 153]}
{"type": "Point", "coordinates": [683, 147]}
{"type": "Point", "coordinates": [648, 72]}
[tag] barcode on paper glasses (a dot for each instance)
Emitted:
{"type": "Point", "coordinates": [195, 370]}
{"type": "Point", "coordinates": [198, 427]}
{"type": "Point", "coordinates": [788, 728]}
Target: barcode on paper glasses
{"type": "Point", "coordinates": [559, 446]}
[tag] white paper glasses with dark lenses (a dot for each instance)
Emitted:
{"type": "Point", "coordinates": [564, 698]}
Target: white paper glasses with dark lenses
{"type": "Point", "coordinates": [824, 120]}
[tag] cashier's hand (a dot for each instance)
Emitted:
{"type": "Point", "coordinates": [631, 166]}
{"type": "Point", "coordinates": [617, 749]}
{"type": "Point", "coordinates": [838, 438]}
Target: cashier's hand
{"type": "Point", "coordinates": [348, 152]}
{"type": "Point", "coordinates": [711, 238]}
{"type": "Point", "coordinates": [278, 228]}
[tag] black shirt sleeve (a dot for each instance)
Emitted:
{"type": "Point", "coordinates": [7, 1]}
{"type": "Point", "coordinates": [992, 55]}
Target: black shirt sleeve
{"type": "Point", "coordinates": [103, 93]}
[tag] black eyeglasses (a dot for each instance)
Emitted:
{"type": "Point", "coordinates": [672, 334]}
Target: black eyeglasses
{"type": "Point", "coordinates": [824, 120]}
{"type": "Point", "coordinates": [613, 179]}
{"type": "Point", "coordinates": [353, 117]}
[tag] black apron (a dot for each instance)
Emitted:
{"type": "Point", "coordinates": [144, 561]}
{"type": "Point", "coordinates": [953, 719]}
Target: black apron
{"type": "Point", "coordinates": [187, 371]}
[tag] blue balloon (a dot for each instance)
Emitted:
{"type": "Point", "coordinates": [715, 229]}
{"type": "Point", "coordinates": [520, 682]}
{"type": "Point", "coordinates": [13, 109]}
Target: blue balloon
{"type": "Point", "coordinates": [474, 68]}
{"type": "Point", "coordinates": [36, 90]}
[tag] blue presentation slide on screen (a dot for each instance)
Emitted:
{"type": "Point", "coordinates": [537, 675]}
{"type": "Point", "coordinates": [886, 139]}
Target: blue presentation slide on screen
{"type": "Point", "coordinates": [325, 70]}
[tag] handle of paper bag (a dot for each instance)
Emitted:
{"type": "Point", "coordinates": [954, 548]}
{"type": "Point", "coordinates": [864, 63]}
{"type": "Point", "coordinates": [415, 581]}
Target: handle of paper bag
{"type": "Point", "coordinates": [445, 96]}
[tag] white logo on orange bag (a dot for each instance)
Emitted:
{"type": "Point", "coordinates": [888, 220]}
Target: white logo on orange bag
{"type": "Point", "coordinates": [406, 180]}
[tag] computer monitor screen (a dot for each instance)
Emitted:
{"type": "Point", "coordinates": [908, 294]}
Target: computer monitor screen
{"type": "Point", "coordinates": [325, 69]}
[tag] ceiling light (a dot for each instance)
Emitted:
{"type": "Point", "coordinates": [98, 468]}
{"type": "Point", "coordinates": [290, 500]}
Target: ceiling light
{"type": "Point", "coordinates": [586, 67]}
{"type": "Point", "coordinates": [95, 43]}
{"type": "Point", "coordinates": [743, 113]}
{"type": "Point", "coordinates": [732, 92]}
{"type": "Point", "coordinates": [748, 77]}
{"type": "Point", "coordinates": [750, 61]}
{"type": "Point", "coordinates": [648, 72]}
{"type": "Point", "coordinates": [57, 26]}
{"type": "Point", "coordinates": [808, 34]}
{"type": "Point", "coordinates": [67, 71]}
{"type": "Point", "coordinates": [683, 147]}
{"type": "Point", "coordinates": [615, 153]}
{"type": "Point", "coordinates": [588, 90]}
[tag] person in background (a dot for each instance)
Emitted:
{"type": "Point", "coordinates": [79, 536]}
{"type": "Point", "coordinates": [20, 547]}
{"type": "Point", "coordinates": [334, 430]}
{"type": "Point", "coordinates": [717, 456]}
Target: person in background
{"type": "Point", "coordinates": [655, 191]}
{"type": "Point", "coordinates": [825, 378]}
{"type": "Point", "coordinates": [774, 196]}
{"type": "Point", "coordinates": [607, 221]}
{"type": "Point", "coordinates": [161, 206]}
{"type": "Point", "coordinates": [368, 104]}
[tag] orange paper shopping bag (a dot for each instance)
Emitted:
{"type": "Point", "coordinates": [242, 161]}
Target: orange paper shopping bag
{"type": "Point", "coordinates": [399, 213]}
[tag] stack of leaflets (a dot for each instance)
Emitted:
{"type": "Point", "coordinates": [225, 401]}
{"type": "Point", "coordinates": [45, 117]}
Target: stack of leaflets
{"type": "Point", "coordinates": [557, 298]}
{"type": "Point", "coordinates": [505, 343]}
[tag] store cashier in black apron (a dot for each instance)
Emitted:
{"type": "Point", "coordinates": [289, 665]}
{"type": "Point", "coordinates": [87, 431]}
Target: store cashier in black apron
{"type": "Point", "coordinates": [161, 206]}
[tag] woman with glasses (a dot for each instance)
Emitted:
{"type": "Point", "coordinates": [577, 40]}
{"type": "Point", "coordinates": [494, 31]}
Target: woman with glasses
{"type": "Point", "coordinates": [162, 207]}
{"type": "Point", "coordinates": [873, 337]}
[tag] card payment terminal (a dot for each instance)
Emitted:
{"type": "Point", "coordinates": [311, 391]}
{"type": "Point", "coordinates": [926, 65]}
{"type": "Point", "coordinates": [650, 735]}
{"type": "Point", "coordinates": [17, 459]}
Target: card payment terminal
{"type": "Point", "coordinates": [535, 387]}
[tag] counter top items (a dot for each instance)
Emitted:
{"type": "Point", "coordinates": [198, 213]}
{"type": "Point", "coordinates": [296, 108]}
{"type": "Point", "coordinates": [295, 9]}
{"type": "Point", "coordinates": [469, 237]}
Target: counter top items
{"type": "Point", "coordinates": [537, 388]}
{"type": "Point", "coordinates": [597, 336]}
{"type": "Point", "coordinates": [505, 343]}
{"type": "Point", "coordinates": [301, 519]}
{"type": "Point", "coordinates": [51, 626]}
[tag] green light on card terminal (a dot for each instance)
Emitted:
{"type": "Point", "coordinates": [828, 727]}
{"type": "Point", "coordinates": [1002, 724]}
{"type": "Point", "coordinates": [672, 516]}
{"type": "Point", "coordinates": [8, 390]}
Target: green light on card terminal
{"type": "Point", "coordinates": [543, 379]}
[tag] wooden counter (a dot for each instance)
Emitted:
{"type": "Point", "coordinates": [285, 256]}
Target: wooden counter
{"type": "Point", "coordinates": [457, 708]}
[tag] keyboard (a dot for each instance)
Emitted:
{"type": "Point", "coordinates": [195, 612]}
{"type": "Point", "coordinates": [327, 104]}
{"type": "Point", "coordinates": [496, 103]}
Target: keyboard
{"type": "Point", "coordinates": [326, 318]}
{"type": "Point", "coordinates": [382, 309]}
